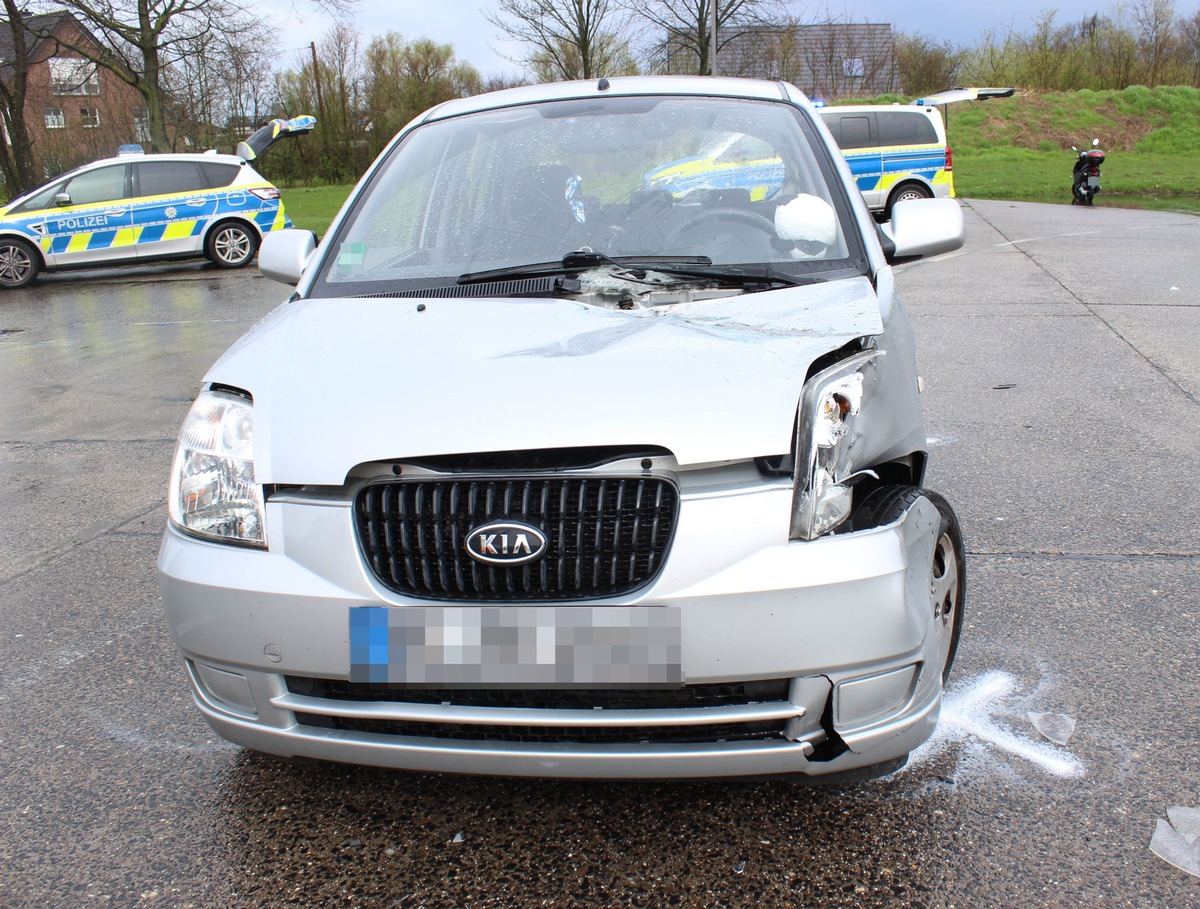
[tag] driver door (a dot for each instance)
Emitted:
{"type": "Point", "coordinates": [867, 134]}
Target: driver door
{"type": "Point", "coordinates": [92, 219]}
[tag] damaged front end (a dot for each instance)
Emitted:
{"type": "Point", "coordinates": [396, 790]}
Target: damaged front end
{"type": "Point", "coordinates": [828, 439]}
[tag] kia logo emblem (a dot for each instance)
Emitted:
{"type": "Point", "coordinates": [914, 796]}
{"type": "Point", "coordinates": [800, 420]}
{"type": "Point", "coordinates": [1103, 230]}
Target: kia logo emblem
{"type": "Point", "coordinates": [506, 543]}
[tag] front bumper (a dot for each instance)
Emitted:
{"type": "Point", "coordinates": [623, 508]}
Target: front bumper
{"type": "Point", "coordinates": [842, 623]}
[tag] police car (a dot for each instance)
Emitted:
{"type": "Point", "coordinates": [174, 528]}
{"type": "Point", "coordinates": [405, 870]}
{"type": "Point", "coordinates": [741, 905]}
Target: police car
{"type": "Point", "coordinates": [138, 208]}
{"type": "Point", "coordinates": [731, 160]}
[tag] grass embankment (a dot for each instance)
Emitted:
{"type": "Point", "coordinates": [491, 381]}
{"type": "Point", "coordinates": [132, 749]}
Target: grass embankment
{"type": "Point", "coordinates": [313, 207]}
{"type": "Point", "coordinates": [1019, 148]}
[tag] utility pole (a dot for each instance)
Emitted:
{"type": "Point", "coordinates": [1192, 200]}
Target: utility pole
{"type": "Point", "coordinates": [712, 44]}
{"type": "Point", "coordinates": [317, 80]}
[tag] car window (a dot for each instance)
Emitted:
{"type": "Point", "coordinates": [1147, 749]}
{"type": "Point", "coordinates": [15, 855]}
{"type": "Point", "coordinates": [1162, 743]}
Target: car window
{"type": "Point", "coordinates": [905, 128]}
{"type": "Point", "coordinates": [219, 175]}
{"type": "Point", "coordinates": [105, 184]}
{"type": "Point", "coordinates": [162, 178]}
{"type": "Point", "coordinates": [43, 198]}
{"type": "Point", "coordinates": [624, 177]}
{"type": "Point", "coordinates": [852, 131]}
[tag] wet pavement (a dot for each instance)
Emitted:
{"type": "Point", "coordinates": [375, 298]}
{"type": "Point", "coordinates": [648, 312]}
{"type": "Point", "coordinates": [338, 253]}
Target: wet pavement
{"type": "Point", "coordinates": [1062, 391]}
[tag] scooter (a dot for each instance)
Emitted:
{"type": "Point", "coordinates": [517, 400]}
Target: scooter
{"type": "Point", "coordinates": [1086, 181]}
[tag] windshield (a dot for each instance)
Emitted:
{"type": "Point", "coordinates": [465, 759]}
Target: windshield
{"type": "Point", "coordinates": [723, 183]}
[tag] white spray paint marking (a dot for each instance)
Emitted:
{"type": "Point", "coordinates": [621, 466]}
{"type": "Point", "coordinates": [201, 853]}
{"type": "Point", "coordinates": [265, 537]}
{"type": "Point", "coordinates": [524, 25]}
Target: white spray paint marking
{"type": "Point", "coordinates": [969, 714]}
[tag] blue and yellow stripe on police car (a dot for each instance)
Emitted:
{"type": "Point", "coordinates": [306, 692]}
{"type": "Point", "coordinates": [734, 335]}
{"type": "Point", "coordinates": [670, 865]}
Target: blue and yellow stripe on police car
{"type": "Point", "coordinates": [878, 170]}
{"type": "Point", "coordinates": [266, 219]}
{"type": "Point", "coordinates": [84, 241]}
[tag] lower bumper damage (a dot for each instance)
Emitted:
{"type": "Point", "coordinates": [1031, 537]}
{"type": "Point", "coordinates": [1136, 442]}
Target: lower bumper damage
{"type": "Point", "coordinates": [817, 669]}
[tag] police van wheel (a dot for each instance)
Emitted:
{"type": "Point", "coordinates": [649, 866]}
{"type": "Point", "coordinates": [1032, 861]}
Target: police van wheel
{"type": "Point", "coordinates": [231, 245]}
{"type": "Point", "coordinates": [907, 193]}
{"type": "Point", "coordinates": [19, 263]}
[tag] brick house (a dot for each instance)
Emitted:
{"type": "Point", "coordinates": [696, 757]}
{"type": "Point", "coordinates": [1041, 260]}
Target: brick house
{"type": "Point", "coordinates": [75, 111]}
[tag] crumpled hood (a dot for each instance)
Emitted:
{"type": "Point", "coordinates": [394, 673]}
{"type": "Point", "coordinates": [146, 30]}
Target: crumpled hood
{"type": "Point", "coordinates": [340, 382]}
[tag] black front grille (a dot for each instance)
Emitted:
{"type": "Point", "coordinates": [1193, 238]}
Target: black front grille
{"type": "Point", "coordinates": [728, 694]}
{"type": "Point", "coordinates": [605, 536]}
{"type": "Point", "coordinates": [724, 694]}
{"type": "Point", "coordinates": [556, 735]}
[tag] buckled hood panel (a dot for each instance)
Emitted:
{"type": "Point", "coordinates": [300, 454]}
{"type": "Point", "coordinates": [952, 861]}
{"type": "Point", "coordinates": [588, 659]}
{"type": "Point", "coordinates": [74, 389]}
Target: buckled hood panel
{"type": "Point", "coordinates": [340, 382]}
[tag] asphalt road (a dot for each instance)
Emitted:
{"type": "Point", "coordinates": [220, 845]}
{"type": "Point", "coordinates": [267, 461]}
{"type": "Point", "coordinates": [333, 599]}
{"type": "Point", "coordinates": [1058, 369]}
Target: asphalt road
{"type": "Point", "coordinates": [1063, 401]}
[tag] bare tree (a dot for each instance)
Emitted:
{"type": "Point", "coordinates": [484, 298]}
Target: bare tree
{"type": "Point", "coordinates": [402, 79]}
{"type": "Point", "coordinates": [926, 64]}
{"type": "Point", "coordinates": [993, 60]}
{"type": "Point", "coordinates": [1115, 55]}
{"type": "Point", "coordinates": [221, 88]}
{"type": "Point", "coordinates": [139, 40]}
{"type": "Point", "coordinates": [16, 155]}
{"type": "Point", "coordinates": [1189, 47]}
{"type": "Point", "coordinates": [682, 29]}
{"type": "Point", "coordinates": [1155, 21]}
{"type": "Point", "coordinates": [566, 39]}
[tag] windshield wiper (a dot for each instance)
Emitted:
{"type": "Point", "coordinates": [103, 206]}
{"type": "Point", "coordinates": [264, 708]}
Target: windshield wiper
{"type": "Point", "coordinates": [748, 276]}
{"type": "Point", "coordinates": [582, 260]}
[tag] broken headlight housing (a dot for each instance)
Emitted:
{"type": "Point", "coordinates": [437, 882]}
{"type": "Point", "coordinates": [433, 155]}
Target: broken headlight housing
{"type": "Point", "coordinates": [827, 437]}
{"type": "Point", "coordinates": [213, 493]}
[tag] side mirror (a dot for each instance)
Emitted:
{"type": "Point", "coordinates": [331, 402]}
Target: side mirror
{"type": "Point", "coordinates": [924, 227]}
{"type": "Point", "coordinates": [285, 254]}
{"type": "Point", "coordinates": [62, 199]}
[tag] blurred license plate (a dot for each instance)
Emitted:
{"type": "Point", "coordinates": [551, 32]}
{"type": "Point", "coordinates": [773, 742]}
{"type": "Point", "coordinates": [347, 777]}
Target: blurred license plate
{"type": "Point", "coordinates": [516, 646]}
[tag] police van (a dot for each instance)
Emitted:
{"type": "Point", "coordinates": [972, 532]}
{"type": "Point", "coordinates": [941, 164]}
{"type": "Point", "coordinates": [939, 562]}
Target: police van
{"type": "Point", "coordinates": [895, 153]}
{"type": "Point", "coordinates": [138, 208]}
{"type": "Point", "coordinates": [899, 152]}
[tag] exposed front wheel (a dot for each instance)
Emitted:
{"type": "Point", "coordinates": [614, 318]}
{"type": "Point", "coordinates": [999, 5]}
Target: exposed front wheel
{"type": "Point", "coordinates": [947, 569]}
{"type": "Point", "coordinates": [231, 245]}
{"type": "Point", "coordinates": [907, 193]}
{"type": "Point", "coordinates": [19, 263]}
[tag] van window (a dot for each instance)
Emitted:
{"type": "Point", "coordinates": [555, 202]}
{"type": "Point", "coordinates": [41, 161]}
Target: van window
{"type": "Point", "coordinates": [164, 178]}
{"type": "Point", "coordinates": [220, 174]}
{"type": "Point", "coordinates": [105, 184]}
{"type": "Point", "coordinates": [853, 132]}
{"type": "Point", "coordinates": [905, 128]}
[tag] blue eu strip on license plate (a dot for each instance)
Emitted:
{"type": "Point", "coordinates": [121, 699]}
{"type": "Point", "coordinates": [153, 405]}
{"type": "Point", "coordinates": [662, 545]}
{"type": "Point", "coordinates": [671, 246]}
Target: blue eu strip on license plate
{"type": "Point", "coordinates": [516, 646]}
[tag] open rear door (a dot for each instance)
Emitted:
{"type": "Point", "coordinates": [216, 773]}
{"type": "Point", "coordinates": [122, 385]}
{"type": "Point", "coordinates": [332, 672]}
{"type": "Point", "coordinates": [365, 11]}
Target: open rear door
{"type": "Point", "coordinates": [964, 94]}
{"type": "Point", "coordinates": [260, 140]}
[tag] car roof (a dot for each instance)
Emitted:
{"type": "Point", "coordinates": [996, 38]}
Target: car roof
{"type": "Point", "coordinates": [698, 86]}
{"type": "Point", "coordinates": [873, 108]}
{"type": "Point", "coordinates": [199, 157]}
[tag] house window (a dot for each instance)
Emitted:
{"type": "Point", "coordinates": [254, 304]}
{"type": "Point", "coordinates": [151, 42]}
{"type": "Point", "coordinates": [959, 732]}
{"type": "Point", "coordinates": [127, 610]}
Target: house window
{"type": "Point", "coordinates": [74, 76]}
{"type": "Point", "coordinates": [853, 68]}
{"type": "Point", "coordinates": [141, 124]}
{"type": "Point", "coordinates": [54, 118]}
{"type": "Point", "coordinates": [90, 117]}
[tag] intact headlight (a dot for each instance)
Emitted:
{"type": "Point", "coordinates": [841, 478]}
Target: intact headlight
{"type": "Point", "coordinates": [825, 446]}
{"type": "Point", "coordinates": [213, 493]}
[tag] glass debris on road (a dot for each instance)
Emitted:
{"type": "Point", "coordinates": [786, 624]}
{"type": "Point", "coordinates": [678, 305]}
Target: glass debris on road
{"type": "Point", "coordinates": [1056, 727]}
{"type": "Point", "coordinates": [1177, 839]}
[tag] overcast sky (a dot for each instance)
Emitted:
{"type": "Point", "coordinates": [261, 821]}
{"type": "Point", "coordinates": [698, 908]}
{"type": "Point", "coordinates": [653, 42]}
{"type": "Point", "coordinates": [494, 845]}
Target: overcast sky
{"type": "Point", "coordinates": [462, 23]}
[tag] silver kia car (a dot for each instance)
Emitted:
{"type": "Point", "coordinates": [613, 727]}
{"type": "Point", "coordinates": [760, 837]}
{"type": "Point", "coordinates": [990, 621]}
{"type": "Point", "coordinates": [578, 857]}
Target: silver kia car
{"type": "Point", "coordinates": [554, 467]}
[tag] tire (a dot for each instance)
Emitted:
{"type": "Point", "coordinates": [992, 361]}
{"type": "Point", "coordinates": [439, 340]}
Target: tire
{"type": "Point", "coordinates": [19, 263]}
{"type": "Point", "coordinates": [231, 244]}
{"type": "Point", "coordinates": [947, 571]}
{"type": "Point", "coordinates": [908, 193]}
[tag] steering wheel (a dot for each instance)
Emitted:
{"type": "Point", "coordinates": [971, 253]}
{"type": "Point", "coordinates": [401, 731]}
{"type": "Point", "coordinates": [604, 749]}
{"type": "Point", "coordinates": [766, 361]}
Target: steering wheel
{"type": "Point", "coordinates": [731, 215]}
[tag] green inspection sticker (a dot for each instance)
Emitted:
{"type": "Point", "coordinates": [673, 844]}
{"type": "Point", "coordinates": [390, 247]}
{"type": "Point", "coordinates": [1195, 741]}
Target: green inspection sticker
{"type": "Point", "coordinates": [351, 256]}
